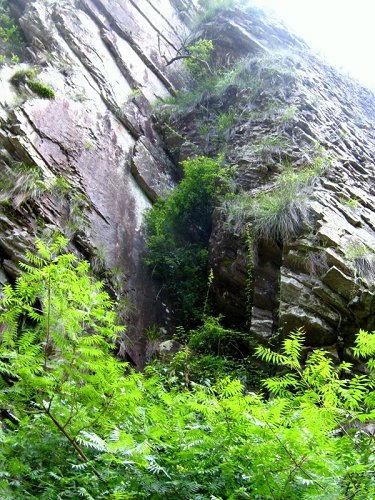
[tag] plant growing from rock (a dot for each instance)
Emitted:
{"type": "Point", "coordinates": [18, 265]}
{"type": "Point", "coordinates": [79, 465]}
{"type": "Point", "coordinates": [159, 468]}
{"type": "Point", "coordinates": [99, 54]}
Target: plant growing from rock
{"type": "Point", "coordinates": [28, 77]}
{"type": "Point", "coordinates": [23, 183]}
{"type": "Point", "coordinates": [280, 213]}
{"type": "Point", "coordinates": [178, 229]}
{"type": "Point", "coordinates": [197, 57]}
{"type": "Point", "coordinates": [224, 122]}
{"type": "Point", "coordinates": [211, 7]}
{"type": "Point", "coordinates": [363, 260]}
{"type": "Point", "coordinates": [12, 44]}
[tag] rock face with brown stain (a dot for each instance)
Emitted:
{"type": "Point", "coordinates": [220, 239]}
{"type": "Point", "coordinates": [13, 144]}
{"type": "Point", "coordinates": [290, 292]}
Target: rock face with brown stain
{"type": "Point", "coordinates": [106, 62]}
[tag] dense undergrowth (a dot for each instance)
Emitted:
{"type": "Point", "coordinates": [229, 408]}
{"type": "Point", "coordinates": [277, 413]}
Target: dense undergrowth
{"type": "Point", "coordinates": [77, 423]}
{"type": "Point", "coordinates": [178, 229]}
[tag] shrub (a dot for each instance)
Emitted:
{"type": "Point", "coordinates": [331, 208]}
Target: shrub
{"type": "Point", "coordinates": [73, 425]}
{"type": "Point", "coordinates": [178, 229]}
{"type": "Point", "coordinates": [212, 337]}
{"type": "Point", "coordinates": [12, 43]}
{"type": "Point", "coordinates": [198, 55]}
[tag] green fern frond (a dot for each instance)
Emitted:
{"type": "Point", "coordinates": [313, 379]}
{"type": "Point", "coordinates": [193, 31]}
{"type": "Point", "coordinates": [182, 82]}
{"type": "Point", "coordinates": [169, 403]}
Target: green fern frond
{"type": "Point", "coordinates": [269, 356]}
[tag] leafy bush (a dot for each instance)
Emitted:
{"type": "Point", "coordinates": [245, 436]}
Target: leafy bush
{"type": "Point", "coordinates": [74, 426]}
{"type": "Point", "coordinates": [198, 55]}
{"type": "Point", "coordinates": [212, 337]}
{"type": "Point", "coordinates": [178, 229]}
{"type": "Point", "coordinates": [12, 43]}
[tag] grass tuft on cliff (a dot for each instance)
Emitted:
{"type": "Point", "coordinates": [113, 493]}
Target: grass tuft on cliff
{"type": "Point", "coordinates": [280, 213]}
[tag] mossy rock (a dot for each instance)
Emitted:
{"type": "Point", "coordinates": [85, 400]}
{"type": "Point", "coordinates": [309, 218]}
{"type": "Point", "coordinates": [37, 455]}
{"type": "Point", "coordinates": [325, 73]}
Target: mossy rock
{"type": "Point", "coordinates": [28, 77]}
{"type": "Point", "coordinates": [41, 89]}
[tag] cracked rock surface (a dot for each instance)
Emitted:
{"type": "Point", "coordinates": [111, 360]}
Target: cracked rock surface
{"type": "Point", "coordinates": [105, 62]}
{"type": "Point", "coordinates": [286, 109]}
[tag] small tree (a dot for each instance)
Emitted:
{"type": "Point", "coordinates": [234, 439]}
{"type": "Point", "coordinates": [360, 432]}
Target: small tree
{"type": "Point", "coordinates": [56, 347]}
{"type": "Point", "coordinates": [178, 229]}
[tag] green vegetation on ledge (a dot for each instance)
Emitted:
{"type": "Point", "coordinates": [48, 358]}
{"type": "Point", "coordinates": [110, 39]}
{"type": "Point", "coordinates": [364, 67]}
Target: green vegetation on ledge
{"type": "Point", "coordinates": [28, 77]}
{"type": "Point", "coordinates": [281, 213]}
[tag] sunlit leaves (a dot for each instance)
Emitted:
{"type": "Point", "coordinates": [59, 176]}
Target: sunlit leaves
{"type": "Point", "coordinates": [62, 388]}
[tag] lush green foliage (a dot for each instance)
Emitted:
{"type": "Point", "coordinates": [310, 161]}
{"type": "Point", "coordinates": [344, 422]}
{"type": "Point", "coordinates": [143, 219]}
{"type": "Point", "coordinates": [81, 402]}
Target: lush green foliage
{"type": "Point", "coordinates": [73, 425]}
{"type": "Point", "coordinates": [198, 56]}
{"type": "Point", "coordinates": [178, 229]}
{"type": "Point", "coordinates": [11, 41]}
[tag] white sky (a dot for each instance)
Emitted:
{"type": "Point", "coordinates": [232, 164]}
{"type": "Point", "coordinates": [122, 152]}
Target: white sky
{"type": "Point", "coordinates": [342, 31]}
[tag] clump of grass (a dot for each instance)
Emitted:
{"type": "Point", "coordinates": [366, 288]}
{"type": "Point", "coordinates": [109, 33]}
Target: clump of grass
{"type": "Point", "coordinates": [211, 7]}
{"type": "Point", "coordinates": [61, 186]}
{"type": "Point", "coordinates": [22, 76]}
{"type": "Point", "coordinates": [266, 148]}
{"type": "Point", "coordinates": [349, 202]}
{"type": "Point", "coordinates": [41, 89]}
{"type": "Point", "coordinates": [224, 122]}
{"type": "Point", "coordinates": [288, 114]}
{"type": "Point", "coordinates": [212, 84]}
{"type": "Point", "coordinates": [363, 260]}
{"type": "Point", "coordinates": [278, 214]}
{"type": "Point", "coordinates": [23, 183]}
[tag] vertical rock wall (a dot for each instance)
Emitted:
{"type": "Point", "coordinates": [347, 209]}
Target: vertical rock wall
{"type": "Point", "coordinates": [286, 110]}
{"type": "Point", "coordinates": [105, 61]}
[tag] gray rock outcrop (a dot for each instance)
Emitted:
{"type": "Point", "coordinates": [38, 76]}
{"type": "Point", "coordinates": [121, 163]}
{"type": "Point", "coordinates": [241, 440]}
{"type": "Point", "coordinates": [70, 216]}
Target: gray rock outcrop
{"type": "Point", "coordinates": [287, 115]}
{"type": "Point", "coordinates": [105, 62]}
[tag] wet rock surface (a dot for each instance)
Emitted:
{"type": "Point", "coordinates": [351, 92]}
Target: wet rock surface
{"type": "Point", "coordinates": [105, 62]}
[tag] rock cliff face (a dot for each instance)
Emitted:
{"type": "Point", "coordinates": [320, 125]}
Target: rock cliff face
{"type": "Point", "coordinates": [285, 115]}
{"type": "Point", "coordinates": [104, 60]}
{"type": "Point", "coordinates": [98, 161]}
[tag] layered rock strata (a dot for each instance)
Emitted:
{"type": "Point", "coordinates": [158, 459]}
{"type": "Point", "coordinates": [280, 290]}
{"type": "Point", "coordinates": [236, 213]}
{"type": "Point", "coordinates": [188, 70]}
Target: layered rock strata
{"type": "Point", "coordinates": [98, 160]}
